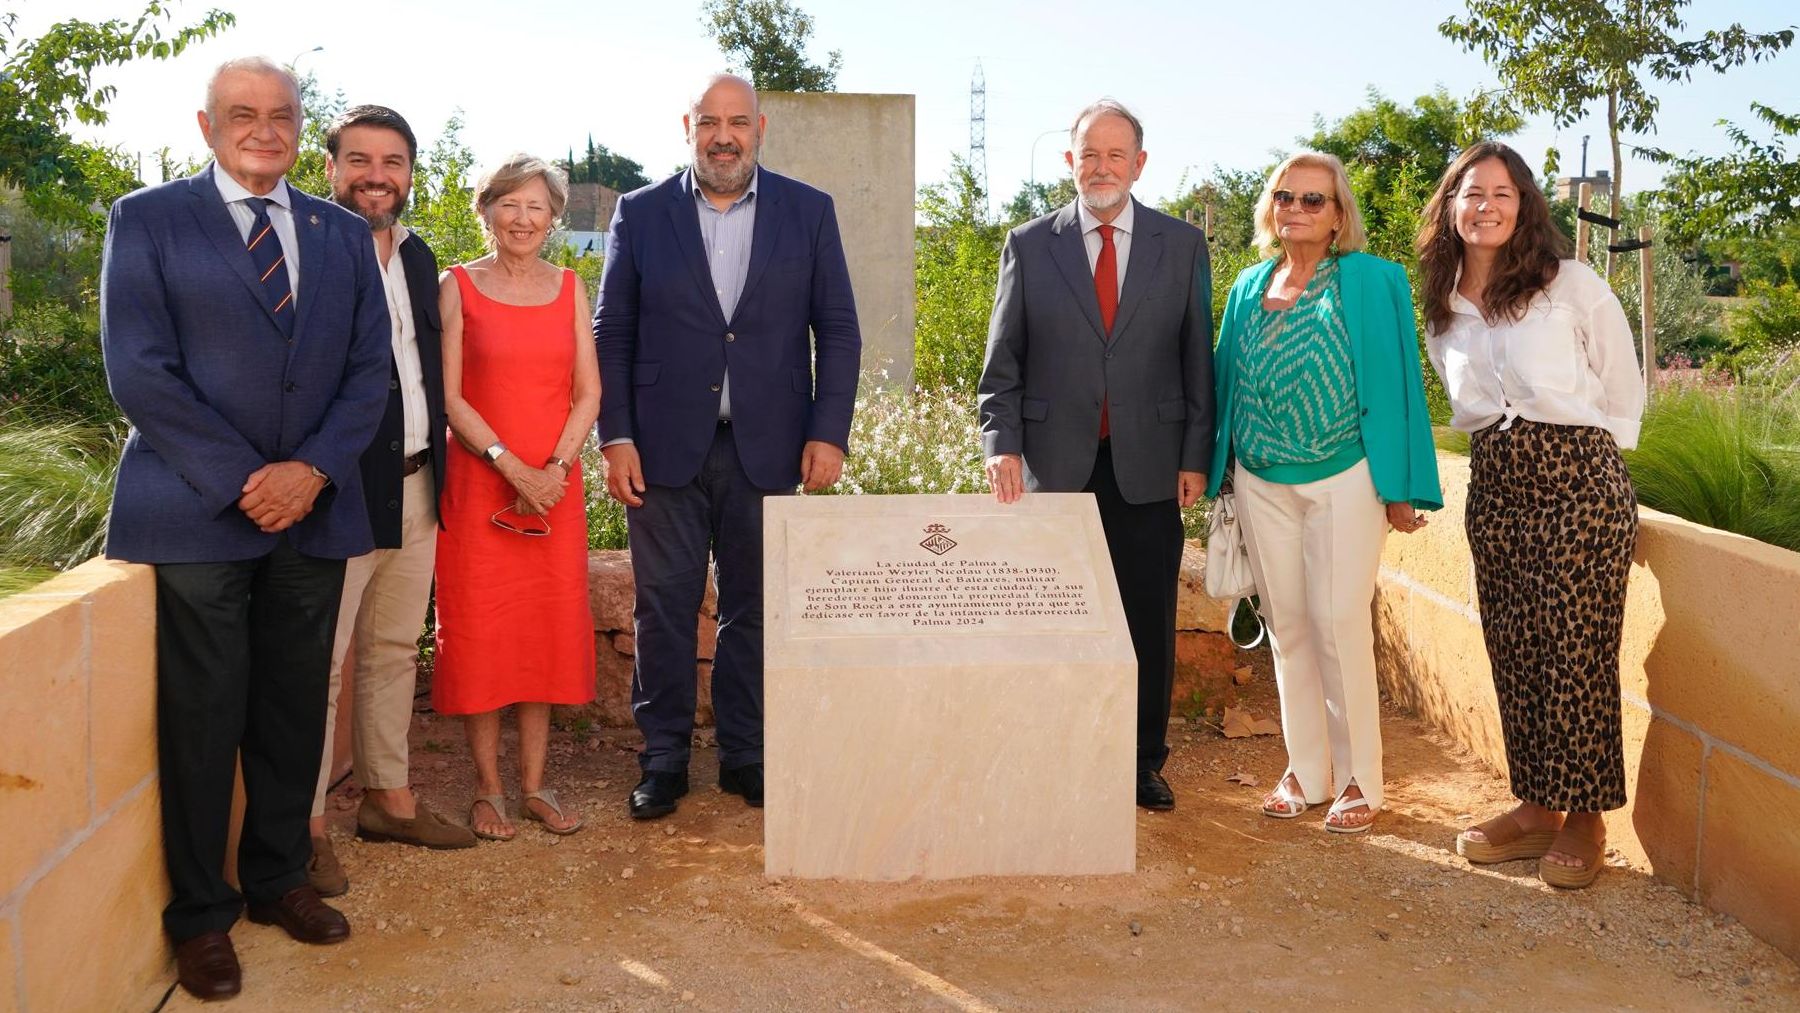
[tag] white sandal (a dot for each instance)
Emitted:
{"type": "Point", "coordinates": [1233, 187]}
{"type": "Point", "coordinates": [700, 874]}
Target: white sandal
{"type": "Point", "coordinates": [1343, 805]}
{"type": "Point", "coordinates": [1295, 801]}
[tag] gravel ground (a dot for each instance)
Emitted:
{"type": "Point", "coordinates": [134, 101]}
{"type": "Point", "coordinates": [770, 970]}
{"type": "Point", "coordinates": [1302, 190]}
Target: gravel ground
{"type": "Point", "coordinates": [1228, 909]}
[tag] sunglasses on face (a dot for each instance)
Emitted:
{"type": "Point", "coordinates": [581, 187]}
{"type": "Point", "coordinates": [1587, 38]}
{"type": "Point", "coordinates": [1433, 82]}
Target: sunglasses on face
{"type": "Point", "coordinates": [1312, 201]}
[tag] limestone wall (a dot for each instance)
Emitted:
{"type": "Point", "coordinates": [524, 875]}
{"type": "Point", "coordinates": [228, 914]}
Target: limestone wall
{"type": "Point", "coordinates": [1710, 672]}
{"type": "Point", "coordinates": [81, 869]}
{"type": "Point", "coordinates": [859, 149]}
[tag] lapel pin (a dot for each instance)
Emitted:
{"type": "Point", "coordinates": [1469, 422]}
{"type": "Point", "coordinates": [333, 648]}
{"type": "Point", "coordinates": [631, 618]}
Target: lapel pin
{"type": "Point", "coordinates": [313, 219]}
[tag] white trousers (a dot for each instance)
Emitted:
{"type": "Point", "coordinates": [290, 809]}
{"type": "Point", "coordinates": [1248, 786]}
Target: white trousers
{"type": "Point", "coordinates": [1315, 549]}
{"type": "Point", "coordinates": [382, 612]}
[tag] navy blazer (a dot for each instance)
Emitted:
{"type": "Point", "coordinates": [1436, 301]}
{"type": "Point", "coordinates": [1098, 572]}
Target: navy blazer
{"type": "Point", "coordinates": [383, 463]}
{"type": "Point", "coordinates": [213, 387]}
{"type": "Point", "coordinates": [664, 343]}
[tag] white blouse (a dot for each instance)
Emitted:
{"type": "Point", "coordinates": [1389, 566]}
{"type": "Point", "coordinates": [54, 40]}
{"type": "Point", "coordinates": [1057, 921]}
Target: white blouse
{"type": "Point", "coordinates": [1570, 360]}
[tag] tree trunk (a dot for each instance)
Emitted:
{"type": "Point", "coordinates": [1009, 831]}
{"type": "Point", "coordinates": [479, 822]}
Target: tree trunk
{"type": "Point", "coordinates": [1618, 168]}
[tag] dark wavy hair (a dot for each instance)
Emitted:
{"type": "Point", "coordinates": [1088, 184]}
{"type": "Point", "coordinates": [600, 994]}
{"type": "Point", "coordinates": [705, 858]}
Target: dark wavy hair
{"type": "Point", "coordinates": [1525, 265]}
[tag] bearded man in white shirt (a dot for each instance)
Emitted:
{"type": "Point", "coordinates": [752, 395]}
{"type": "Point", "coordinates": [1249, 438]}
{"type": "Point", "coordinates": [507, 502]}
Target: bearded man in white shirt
{"type": "Point", "coordinates": [370, 151]}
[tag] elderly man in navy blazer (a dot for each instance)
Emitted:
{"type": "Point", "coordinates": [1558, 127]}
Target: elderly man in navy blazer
{"type": "Point", "coordinates": [729, 352]}
{"type": "Point", "coordinates": [246, 338]}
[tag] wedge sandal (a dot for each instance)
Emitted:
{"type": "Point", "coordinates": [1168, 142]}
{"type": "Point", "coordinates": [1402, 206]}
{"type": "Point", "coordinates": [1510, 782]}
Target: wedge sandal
{"type": "Point", "coordinates": [1567, 877]}
{"type": "Point", "coordinates": [548, 797]}
{"type": "Point", "coordinates": [1506, 841]}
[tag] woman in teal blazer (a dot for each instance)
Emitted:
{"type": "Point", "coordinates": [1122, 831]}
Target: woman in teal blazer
{"type": "Point", "coordinates": [1322, 420]}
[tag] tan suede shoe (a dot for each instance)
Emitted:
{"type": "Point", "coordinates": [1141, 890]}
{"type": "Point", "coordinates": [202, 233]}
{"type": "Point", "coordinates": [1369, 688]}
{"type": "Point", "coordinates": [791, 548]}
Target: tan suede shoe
{"type": "Point", "coordinates": [426, 829]}
{"type": "Point", "coordinates": [324, 872]}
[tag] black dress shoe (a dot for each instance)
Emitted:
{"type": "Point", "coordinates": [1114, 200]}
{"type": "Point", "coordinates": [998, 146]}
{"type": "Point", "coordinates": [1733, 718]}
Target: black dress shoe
{"type": "Point", "coordinates": [655, 795]}
{"type": "Point", "coordinates": [1153, 792]}
{"type": "Point", "coordinates": [207, 966]}
{"type": "Point", "coordinates": [746, 780]}
{"type": "Point", "coordinates": [303, 916]}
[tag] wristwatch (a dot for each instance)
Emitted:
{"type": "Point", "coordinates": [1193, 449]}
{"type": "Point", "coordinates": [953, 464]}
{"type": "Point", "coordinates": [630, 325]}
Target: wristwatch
{"type": "Point", "coordinates": [316, 473]}
{"type": "Point", "coordinates": [559, 462]}
{"type": "Point", "coordinates": [493, 453]}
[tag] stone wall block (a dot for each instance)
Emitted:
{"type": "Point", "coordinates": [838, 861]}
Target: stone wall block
{"type": "Point", "coordinates": [1750, 850]}
{"type": "Point", "coordinates": [43, 729]}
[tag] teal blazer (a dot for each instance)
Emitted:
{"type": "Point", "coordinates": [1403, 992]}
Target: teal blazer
{"type": "Point", "coordinates": [1384, 352]}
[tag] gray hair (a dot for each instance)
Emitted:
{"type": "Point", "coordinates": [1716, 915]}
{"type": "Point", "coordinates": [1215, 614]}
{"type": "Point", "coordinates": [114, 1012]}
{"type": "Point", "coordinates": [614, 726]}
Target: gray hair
{"type": "Point", "coordinates": [693, 106]}
{"type": "Point", "coordinates": [1106, 107]}
{"type": "Point", "coordinates": [249, 65]}
{"type": "Point", "coordinates": [515, 171]}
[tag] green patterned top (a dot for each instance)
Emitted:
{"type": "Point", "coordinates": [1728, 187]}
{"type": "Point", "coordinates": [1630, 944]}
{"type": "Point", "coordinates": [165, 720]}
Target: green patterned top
{"type": "Point", "coordinates": [1297, 418]}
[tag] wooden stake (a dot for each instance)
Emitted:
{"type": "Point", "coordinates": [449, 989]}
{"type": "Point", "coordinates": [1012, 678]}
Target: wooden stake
{"type": "Point", "coordinates": [1207, 228]}
{"type": "Point", "coordinates": [5, 277]}
{"type": "Point", "coordinates": [1647, 301]}
{"type": "Point", "coordinates": [1584, 194]}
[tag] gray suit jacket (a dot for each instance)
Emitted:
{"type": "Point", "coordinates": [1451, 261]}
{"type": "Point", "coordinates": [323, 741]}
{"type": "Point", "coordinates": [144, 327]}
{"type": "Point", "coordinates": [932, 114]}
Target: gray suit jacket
{"type": "Point", "coordinates": [1049, 363]}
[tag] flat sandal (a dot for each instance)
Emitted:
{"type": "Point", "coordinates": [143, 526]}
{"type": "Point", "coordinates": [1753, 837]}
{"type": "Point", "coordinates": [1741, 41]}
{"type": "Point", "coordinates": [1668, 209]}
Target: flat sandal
{"type": "Point", "coordinates": [498, 803]}
{"type": "Point", "coordinates": [548, 797]}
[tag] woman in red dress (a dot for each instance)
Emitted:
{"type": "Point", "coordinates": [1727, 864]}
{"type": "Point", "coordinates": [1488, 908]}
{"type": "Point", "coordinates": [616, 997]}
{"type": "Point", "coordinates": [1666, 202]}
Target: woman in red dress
{"type": "Point", "coordinates": [522, 388]}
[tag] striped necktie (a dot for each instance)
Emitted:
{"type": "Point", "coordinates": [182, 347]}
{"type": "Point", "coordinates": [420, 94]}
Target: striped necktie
{"type": "Point", "coordinates": [271, 264]}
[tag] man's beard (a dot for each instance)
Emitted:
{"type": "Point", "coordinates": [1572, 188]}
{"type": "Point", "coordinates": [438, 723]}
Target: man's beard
{"type": "Point", "coordinates": [726, 181]}
{"type": "Point", "coordinates": [1104, 200]}
{"type": "Point", "coordinates": [379, 221]}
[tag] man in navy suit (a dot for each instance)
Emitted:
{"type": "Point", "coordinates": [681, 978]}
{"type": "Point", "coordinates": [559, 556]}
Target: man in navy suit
{"type": "Point", "coordinates": [246, 338]}
{"type": "Point", "coordinates": [713, 396]}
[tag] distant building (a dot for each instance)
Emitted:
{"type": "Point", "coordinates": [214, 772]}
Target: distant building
{"type": "Point", "coordinates": [589, 211]}
{"type": "Point", "coordinates": [1569, 187]}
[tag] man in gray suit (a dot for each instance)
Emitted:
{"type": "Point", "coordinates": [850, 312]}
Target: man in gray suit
{"type": "Point", "coordinates": [1098, 379]}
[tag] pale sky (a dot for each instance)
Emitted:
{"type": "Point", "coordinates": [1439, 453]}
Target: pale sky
{"type": "Point", "coordinates": [1222, 84]}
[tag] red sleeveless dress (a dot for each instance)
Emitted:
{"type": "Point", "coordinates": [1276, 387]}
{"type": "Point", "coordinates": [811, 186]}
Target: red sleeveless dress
{"type": "Point", "coordinates": [513, 622]}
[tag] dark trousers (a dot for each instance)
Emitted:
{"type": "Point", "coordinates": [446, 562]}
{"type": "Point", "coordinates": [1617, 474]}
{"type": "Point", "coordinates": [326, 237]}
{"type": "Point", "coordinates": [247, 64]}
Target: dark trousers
{"type": "Point", "coordinates": [243, 655]}
{"type": "Point", "coordinates": [719, 513]}
{"type": "Point", "coordinates": [1145, 542]}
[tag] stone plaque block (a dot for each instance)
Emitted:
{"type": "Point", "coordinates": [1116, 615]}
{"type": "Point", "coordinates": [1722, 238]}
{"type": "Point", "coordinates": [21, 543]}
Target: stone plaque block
{"type": "Point", "coordinates": [950, 689]}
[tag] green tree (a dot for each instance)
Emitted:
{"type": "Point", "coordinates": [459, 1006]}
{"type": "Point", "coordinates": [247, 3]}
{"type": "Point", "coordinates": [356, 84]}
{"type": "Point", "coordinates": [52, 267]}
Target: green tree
{"type": "Point", "coordinates": [318, 110]}
{"type": "Point", "coordinates": [1384, 144]}
{"type": "Point", "coordinates": [1748, 192]}
{"type": "Point", "coordinates": [1034, 199]}
{"type": "Point", "coordinates": [606, 167]}
{"type": "Point", "coordinates": [47, 82]}
{"type": "Point", "coordinates": [442, 208]}
{"type": "Point", "coordinates": [1558, 56]}
{"type": "Point", "coordinates": [957, 266]}
{"type": "Point", "coordinates": [767, 40]}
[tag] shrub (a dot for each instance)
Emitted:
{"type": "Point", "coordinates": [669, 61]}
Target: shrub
{"type": "Point", "coordinates": [605, 515]}
{"type": "Point", "coordinates": [50, 364]}
{"type": "Point", "coordinates": [1768, 317]}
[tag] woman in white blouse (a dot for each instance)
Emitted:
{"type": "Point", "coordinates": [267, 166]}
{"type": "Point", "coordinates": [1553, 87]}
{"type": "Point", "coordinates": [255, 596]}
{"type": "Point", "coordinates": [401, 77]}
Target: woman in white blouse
{"type": "Point", "coordinates": [1542, 370]}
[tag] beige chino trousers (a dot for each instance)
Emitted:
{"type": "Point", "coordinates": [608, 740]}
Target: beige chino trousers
{"type": "Point", "coordinates": [1315, 549]}
{"type": "Point", "coordinates": [382, 612]}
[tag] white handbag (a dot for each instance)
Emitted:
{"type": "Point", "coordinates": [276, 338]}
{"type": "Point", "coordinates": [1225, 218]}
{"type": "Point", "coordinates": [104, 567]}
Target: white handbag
{"type": "Point", "coordinates": [1228, 572]}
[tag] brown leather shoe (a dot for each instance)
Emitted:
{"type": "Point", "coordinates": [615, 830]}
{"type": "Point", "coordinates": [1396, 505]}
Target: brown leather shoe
{"type": "Point", "coordinates": [426, 829]}
{"type": "Point", "coordinates": [207, 966]}
{"type": "Point", "coordinates": [304, 916]}
{"type": "Point", "coordinates": [324, 872]}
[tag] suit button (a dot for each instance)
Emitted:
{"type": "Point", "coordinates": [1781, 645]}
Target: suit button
{"type": "Point", "coordinates": [395, 445]}
{"type": "Point", "coordinates": [289, 387]}
{"type": "Point", "coordinates": [393, 504]}
{"type": "Point", "coordinates": [715, 388]}
{"type": "Point", "coordinates": [393, 385]}
{"type": "Point", "coordinates": [1109, 355]}
{"type": "Point", "coordinates": [730, 336]}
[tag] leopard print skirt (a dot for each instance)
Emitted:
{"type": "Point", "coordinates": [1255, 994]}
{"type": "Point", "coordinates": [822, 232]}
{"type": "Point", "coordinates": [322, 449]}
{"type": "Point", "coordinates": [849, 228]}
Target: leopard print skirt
{"type": "Point", "coordinates": [1552, 522]}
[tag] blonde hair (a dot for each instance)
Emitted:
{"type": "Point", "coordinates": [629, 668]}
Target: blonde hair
{"type": "Point", "coordinates": [514, 172]}
{"type": "Point", "coordinates": [1350, 234]}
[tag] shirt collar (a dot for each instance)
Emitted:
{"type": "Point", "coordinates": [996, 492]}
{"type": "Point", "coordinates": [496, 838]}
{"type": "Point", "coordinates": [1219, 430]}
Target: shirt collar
{"type": "Point", "coordinates": [232, 191]}
{"type": "Point", "coordinates": [693, 184]}
{"type": "Point", "coordinates": [1122, 223]}
{"type": "Point", "coordinates": [401, 234]}
{"type": "Point", "coordinates": [1458, 302]}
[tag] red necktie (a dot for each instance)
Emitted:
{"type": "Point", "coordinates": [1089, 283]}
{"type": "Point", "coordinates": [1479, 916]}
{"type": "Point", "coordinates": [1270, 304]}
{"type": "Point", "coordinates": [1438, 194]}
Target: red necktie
{"type": "Point", "coordinates": [1106, 289]}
